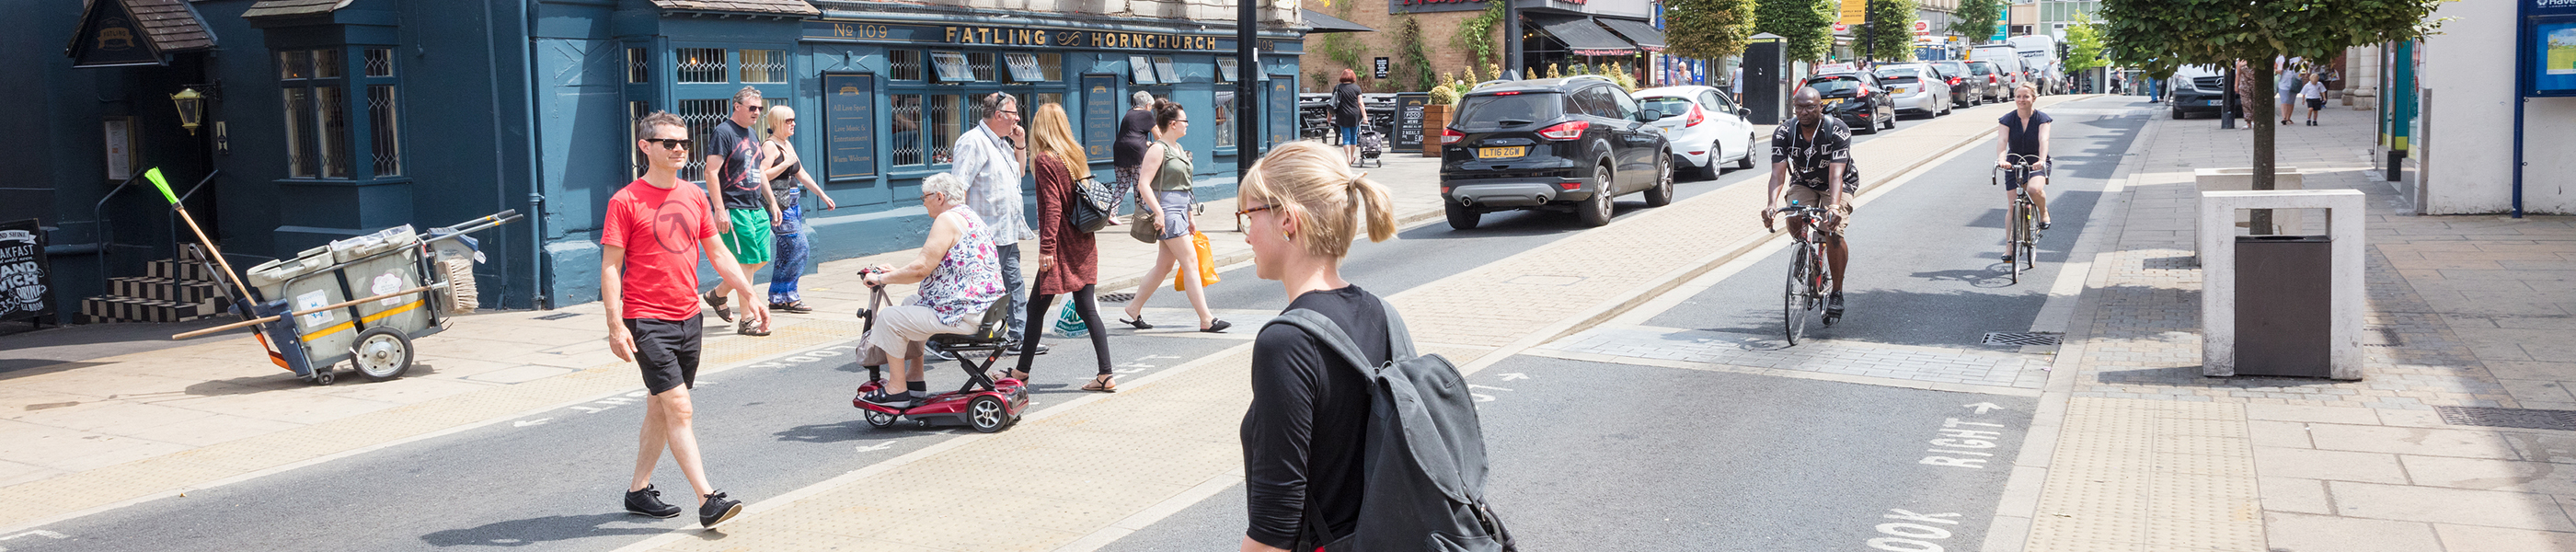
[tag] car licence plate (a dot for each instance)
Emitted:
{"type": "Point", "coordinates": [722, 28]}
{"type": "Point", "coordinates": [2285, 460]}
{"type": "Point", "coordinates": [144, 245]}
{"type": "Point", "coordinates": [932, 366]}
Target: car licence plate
{"type": "Point", "coordinates": [1835, 101]}
{"type": "Point", "coordinates": [1899, 90]}
{"type": "Point", "coordinates": [2212, 103]}
{"type": "Point", "coordinates": [1501, 153]}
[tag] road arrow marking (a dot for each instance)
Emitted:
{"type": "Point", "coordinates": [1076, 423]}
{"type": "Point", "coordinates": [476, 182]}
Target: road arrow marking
{"type": "Point", "coordinates": [1481, 397]}
{"type": "Point", "coordinates": [877, 447]}
{"type": "Point", "coordinates": [1983, 406]}
{"type": "Point", "coordinates": [526, 423]}
{"type": "Point", "coordinates": [1475, 386]}
{"type": "Point", "coordinates": [1515, 376]}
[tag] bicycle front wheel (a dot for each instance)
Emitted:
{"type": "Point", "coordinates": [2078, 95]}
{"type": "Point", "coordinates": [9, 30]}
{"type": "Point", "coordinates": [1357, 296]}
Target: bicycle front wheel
{"type": "Point", "coordinates": [1794, 303]}
{"type": "Point", "coordinates": [2016, 232]}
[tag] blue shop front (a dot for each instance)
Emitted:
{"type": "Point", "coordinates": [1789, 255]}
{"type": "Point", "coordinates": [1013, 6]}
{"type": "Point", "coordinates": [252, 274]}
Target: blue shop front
{"type": "Point", "coordinates": [880, 95]}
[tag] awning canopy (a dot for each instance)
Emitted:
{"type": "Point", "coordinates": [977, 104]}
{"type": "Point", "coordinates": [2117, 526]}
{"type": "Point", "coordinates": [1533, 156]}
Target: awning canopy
{"type": "Point", "coordinates": [1582, 37]}
{"type": "Point", "coordinates": [1639, 32]}
{"type": "Point", "coordinates": [136, 32]}
{"type": "Point", "coordinates": [1325, 23]}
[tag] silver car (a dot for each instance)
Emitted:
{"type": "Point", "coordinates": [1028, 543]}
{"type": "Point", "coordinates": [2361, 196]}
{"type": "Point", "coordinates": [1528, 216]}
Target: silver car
{"type": "Point", "coordinates": [1915, 88]}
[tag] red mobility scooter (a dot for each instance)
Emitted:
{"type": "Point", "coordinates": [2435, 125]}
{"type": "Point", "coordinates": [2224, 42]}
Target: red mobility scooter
{"type": "Point", "coordinates": [983, 403]}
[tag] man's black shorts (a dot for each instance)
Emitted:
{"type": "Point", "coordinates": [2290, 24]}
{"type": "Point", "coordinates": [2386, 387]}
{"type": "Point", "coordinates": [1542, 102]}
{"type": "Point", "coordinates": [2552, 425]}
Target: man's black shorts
{"type": "Point", "coordinates": [667, 351]}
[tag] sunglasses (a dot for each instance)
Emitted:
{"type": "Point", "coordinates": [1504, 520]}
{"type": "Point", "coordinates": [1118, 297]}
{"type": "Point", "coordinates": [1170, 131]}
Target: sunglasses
{"type": "Point", "coordinates": [1255, 210]}
{"type": "Point", "coordinates": [668, 143]}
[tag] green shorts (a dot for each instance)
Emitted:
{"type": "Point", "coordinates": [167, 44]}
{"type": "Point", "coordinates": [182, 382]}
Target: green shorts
{"type": "Point", "coordinates": [750, 237]}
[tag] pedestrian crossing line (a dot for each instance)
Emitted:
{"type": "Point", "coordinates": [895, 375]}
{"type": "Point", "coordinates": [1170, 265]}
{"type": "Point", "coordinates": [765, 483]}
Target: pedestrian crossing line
{"type": "Point", "coordinates": [1776, 372]}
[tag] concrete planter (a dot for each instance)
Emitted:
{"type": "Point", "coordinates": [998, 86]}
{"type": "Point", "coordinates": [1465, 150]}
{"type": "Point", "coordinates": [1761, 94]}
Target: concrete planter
{"type": "Point", "coordinates": [2237, 179]}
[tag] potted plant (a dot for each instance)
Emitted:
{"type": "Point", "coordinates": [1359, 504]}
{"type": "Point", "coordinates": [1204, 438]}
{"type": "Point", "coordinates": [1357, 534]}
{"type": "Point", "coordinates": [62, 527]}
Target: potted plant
{"type": "Point", "coordinates": [1435, 117]}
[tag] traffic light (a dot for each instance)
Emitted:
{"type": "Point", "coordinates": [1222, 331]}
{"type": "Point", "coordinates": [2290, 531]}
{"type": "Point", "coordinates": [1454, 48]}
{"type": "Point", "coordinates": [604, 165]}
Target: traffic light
{"type": "Point", "coordinates": [2063, 52]}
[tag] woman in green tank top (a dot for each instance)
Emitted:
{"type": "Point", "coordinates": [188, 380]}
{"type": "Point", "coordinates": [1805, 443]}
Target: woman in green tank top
{"type": "Point", "coordinates": [1167, 171]}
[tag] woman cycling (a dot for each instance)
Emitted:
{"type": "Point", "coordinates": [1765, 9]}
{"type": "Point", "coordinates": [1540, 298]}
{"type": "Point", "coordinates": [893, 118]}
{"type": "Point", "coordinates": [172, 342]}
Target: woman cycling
{"type": "Point", "coordinates": [2025, 139]}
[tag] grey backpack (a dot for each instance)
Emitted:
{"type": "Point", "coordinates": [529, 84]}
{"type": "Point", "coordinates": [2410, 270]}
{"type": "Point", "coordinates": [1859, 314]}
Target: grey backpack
{"type": "Point", "coordinates": [1424, 458]}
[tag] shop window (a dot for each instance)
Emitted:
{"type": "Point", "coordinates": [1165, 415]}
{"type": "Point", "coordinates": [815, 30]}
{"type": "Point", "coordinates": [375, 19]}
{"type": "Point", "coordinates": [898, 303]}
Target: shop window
{"type": "Point", "coordinates": [907, 130]}
{"type": "Point", "coordinates": [1164, 69]}
{"type": "Point", "coordinates": [316, 108]}
{"type": "Point", "coordinates": [947, 115]}
{"type": "Point", "coordinates": [1024, 67]}
{"type": "Point", "coordinates": [299, 124]}
{"type": "Point", "coordinates": [982, 65]}
{"type": "Point", "coordinates": [384, 126]}
{"type": "Point", "coordinates": [636, 163]}
{"type": "Point", "coordinates": [380, 62]}
{"type": "Point", "coordinates": [295, 64]}
{"type": "Point", "coordinates": [764, 66]}
{"type": "Point", "coordinates": [1225, 68]}
{"type": "Point", "coordinates": [1225, 119]}
{"type": "Point", "coordinates": [951, 67]}
{"type": "Point", "coordinates": [903, 65]}
{"type": "Point", "coordinates": [700, 65]}
{"type": "Point", "coordinates": [639, 65]}
{"type": "Point", "coordinates": [326, 64]}
{"type": "Point", "coordinates": [702, 117]}
{"type": "Point", "coordinates": [1051, 67]}
{"type": "Point", "coordinates": [1141, 70]}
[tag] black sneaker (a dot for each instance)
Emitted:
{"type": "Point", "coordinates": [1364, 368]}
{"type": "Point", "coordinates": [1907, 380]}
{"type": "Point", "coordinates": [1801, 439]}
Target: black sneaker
{"type": "Point", "coordinates": [1834, 306]}
{"type": "Point", "coordinates": [717, 509]}
{"type": "Point", "coordinates": [648, 502]}
{"type": "Point", "coordinates": [880, 398]}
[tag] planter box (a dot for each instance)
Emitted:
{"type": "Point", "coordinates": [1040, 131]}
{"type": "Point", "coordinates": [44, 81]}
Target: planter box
{"type": "Point", "coordinates": [2238, 179]}
{"type": "Point", "coordinates": [1434, 119]}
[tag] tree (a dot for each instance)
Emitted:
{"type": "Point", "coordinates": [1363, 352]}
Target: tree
{"type": "Point", "coordinates": [2161, 35]}
{"type": "Point", "coordinates": [1891, 30]}
{"type": "Point", "coordinates": [2083, 44]}
{"type": "Point", "coordinates": [1976, 19]}
{"type": "Point", "coordinates": [1707, 29]}
{"type": "Point", "coordinates": [1806, 24]}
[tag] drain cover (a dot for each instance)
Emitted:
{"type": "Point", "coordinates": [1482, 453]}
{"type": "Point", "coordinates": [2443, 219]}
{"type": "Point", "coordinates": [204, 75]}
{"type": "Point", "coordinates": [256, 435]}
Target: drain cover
{"type": "Point", "coordinates": [559, 316]}
{"type": "Point", "coordinates": [2024, 338]}
{"type": "Point", "coordinates": [2526, 418]}
{"type": "Point", "coordinates": [1117, 297]}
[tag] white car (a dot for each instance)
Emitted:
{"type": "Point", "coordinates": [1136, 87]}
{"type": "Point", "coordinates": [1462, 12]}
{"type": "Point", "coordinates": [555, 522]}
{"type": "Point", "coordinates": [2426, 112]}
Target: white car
{"type": "Point", "coordinates": [1704, 126]}
{"type": "Point", "coordinates": [1916, 88]}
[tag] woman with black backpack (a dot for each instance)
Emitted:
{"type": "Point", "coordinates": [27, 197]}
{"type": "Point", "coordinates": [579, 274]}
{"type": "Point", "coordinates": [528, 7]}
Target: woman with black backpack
{"type": "Point", "coordinates": [1348, 115]}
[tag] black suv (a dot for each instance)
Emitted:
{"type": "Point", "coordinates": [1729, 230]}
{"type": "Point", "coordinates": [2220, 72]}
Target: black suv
{"type": "Point", "coordinates": [1856, 98]}
{"type": "Point", "coordinates": [1567, 144]}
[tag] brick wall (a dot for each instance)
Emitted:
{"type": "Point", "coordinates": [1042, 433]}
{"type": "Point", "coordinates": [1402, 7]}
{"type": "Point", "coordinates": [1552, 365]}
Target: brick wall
{"type": "Point", "coordinates": [1436, 30]}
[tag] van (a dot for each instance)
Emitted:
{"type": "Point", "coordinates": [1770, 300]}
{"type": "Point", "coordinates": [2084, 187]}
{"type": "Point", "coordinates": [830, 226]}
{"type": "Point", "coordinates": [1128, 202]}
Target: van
{"type": "Point", "coordinates": [2006, 59]}
{"type": "Point", "coordinates": [2039, 54]}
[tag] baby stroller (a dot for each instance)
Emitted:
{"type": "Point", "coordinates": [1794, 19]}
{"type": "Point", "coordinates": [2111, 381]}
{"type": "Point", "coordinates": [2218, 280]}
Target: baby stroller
{"type": "Point", "coordinates": [985, 404]}
{"type": "Point", "coordinates": [1372, 145]}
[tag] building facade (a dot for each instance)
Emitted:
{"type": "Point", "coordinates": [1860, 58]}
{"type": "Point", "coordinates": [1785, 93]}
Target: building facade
{"type": "Point", "coordinates": [2449, 120]}
{"type": "Point", "coordinates": [337, 118]}
{"type": "Point", "coordinates": [1596, 33]}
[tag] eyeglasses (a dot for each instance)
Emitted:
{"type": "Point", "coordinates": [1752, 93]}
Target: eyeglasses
{"type": "Point", "coordinates": [672, 144]}
{"type": "Point", "coordinates": [1255, 210]}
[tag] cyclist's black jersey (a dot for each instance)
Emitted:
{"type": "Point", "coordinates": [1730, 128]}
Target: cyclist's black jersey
{"type": "Point", "coordinates": [1808, 157]}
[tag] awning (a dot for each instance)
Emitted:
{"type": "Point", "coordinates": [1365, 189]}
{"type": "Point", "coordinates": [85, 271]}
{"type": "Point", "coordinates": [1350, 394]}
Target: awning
{"type": "Point", "coordinates": [1639, 32]}
{"type": "Point", "coordinates": [1324, 23]}
{"type": "Point", "coordinates": [136, 32]}
{"type": "Point", "coordinates": [1582, 37]}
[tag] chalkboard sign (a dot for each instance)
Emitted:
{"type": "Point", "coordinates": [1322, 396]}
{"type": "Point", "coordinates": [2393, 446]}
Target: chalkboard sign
{"type": "Point", "coordinates": [1408, 119]}
{"type": "Point", "coordinates": [850, 125]}
{"type": "Point", "coordinates": [23, 278]}
{"type": "Point", "coordinates": [1100, 115]}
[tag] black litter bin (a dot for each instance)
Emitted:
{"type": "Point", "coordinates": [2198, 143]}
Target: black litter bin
{"type": "Point", "coordinates": [2284, 306]}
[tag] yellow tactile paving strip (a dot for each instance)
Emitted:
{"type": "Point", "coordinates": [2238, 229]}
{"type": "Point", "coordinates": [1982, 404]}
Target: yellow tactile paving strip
{"type": "Point", "coordinates": [179, 471]}
{"type": "Point", "coordinates": [2145, 475]}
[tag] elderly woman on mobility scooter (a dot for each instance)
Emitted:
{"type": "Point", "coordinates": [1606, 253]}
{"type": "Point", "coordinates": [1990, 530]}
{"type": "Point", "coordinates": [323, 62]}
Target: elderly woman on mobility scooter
{"type": "Point", "coordinates": [960, 278]}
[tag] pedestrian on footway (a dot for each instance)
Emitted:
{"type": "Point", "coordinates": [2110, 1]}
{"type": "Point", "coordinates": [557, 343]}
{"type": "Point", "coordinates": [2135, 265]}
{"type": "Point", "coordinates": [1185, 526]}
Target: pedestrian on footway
{"type": "Point", "coordinates": [788, 180]}
{"type": "Point", "coordinates": [989, 159]}
{"type": "Point", "coordinates": [734, 181]}
{"type": "Point", "coordinates": [1068, 259]}
{"type": "Point", "coordinates": [1811, 164]}
{"type": "Point", "coordinates": [2024, 134]}
{"type": "Point", "coordinates": [1127, 153]}
{"type": "Point", "coordinates": [1348, 115]}
{"type": "Point", "coordinates": [1303, 435]}
{"type": "Point", "coordinates": [656, 229]}
{"type": "Point", "coordinates": [1168, 172]}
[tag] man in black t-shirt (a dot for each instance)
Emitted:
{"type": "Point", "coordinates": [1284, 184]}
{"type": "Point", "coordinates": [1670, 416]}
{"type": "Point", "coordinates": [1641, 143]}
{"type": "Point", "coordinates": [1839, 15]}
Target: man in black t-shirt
{"type": "Point", "coordinates": [1811, 164]}
{"type": "Point", "coordinates": [745, 209]}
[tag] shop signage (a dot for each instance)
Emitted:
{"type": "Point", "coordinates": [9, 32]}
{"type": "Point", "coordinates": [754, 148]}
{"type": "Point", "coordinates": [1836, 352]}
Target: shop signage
{"type": "Point", "coordinates": [23, 276]}
{"type": "Point", "coordinates": [849, 105]}
{"type": "Point", "coordinates": [845, 31]}
{"type": "Point", "coordinates": [1100, 114]}
{"type": "Point", "coordinates": [111, 38]}
{"type": "Point", "coordinates": [2548, 51]}
{"type": "Point", "coordinates": [1408, 120]}
{"type": "Point", "coordinates": [1382, 66]}
{"type": "Point", "coordinates": [1283, 108]}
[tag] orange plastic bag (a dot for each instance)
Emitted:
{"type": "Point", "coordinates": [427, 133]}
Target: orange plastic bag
{"type": "Point", "coordinates": [1207, 263]}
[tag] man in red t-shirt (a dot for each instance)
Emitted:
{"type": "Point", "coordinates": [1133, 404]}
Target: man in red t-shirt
{"type": "Point", "coordinates": [657, 229]}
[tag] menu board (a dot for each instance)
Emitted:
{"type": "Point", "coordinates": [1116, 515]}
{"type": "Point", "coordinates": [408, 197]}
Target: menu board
{"type": "Point", "coordinates": [850, 128]}
{"type": "Point", "coordinates": [1100, 115]}
{"type": "Point", "coordinates": [23, 276]}
{"type": "Point", "coordinates": [1408, 119]}
{"type": "Point", "coordinates": [1283, 109]}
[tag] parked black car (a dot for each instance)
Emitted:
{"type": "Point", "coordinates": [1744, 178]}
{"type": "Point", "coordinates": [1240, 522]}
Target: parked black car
{"type": "Point", "coordinates": [1856, 98]}
{"type": "Point", "coordinates": [1963, 90]}
{"type": "Point", "coordinates": [1566, 144]}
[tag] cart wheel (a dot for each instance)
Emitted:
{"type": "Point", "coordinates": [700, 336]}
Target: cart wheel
{"type": "Point", "coordinates": [987, 414]}
{"type": "Point", "coordinates": [382, 353]}
{"type": "Point", "coordinates": [879, 420]}
{"type": "Point", "coordinates": [324, 375]}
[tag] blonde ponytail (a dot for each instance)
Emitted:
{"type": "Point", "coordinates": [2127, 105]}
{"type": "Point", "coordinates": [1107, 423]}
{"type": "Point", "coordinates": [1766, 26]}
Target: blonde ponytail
{"type": "Point", "coordinates": [1313, 183]}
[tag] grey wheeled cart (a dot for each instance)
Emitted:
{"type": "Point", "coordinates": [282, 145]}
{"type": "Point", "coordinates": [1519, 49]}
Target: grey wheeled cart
{"type": "Point", "coordinates": [407, 283]}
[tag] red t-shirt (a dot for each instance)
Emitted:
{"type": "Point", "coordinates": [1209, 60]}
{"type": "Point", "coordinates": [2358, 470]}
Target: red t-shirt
{"type": "Point", "coordinates": [661, 230]}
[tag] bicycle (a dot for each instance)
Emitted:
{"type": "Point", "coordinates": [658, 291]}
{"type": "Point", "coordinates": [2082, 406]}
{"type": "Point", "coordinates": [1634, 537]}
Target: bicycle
{"type": "Point", "coordinates": [1810, 277]}
{"type": "Point", "coordinates": [2021, 237]}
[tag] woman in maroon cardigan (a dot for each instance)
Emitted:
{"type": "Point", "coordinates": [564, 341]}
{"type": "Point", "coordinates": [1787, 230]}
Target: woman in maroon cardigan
{"type": "Point", "coordinates": [1068, 259]}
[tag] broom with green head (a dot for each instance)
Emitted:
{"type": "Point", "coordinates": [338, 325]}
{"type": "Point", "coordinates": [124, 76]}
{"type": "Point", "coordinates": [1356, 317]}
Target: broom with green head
{"type": "Point", "coordinates": [228, 275]}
